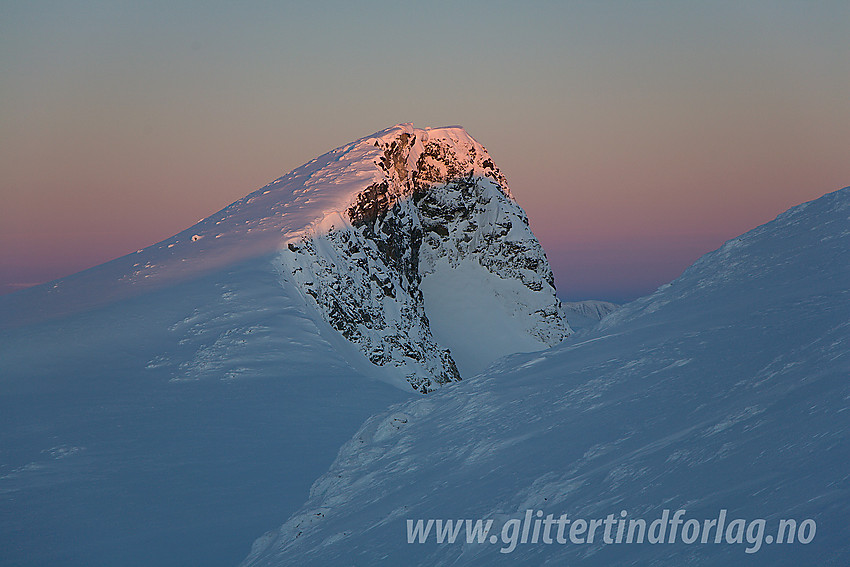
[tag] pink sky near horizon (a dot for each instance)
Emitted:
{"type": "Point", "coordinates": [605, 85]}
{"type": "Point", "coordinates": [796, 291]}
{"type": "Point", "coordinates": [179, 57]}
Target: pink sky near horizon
{"type": "Point", "coordinates": [636, 136]}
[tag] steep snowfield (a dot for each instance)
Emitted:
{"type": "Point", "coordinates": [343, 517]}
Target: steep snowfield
{"type": "Point", "coordinates": [726, 389]}
{"type": "Point", "coordinates": [165, 407]}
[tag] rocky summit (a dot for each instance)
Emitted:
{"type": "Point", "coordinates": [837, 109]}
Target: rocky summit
{"type": "Point", "coordinates": [432, 251]}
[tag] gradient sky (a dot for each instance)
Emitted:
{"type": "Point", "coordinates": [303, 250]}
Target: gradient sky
{"type": "Point", "coordinates": [637, 135]}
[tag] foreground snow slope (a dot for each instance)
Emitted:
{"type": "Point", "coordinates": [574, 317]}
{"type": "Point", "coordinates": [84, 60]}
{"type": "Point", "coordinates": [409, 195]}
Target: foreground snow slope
{"type": "Point", "coordinates": [726, 389]}
{"type": "Point", "coordinates": [169, 429]}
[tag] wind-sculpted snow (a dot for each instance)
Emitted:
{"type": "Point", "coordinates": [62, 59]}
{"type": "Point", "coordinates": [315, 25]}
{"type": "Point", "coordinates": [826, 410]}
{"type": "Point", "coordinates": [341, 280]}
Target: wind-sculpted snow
{"type": "Point", "coordinates": [726, 389]}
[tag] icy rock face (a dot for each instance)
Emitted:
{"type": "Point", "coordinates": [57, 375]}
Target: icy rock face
{"type": "Point", "coordinates": [437, 204]}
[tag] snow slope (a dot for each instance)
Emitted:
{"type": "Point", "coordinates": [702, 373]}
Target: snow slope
{"type": "Point", "coordinates": [165, 407]}
{"type": "Point", "coordinates": [168, 429]}
{"type": "Point", "coordinates": [726, 389]}
{"type": "Point", "coordinates": [586, 314]}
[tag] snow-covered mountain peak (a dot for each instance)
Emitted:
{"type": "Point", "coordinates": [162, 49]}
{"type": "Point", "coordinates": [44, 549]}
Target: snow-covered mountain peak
{"type": "Point", "coordinates": [410, 245]}
{"type": "Point", "coordinates": [365, 178]}
{"type": "Point", "coordinates": [421, 247]}
{"type": "Point", "coordinates": [406, 242]}
{"type": "Point", "coordinates": [346, 184]}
